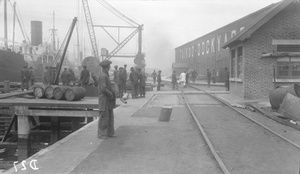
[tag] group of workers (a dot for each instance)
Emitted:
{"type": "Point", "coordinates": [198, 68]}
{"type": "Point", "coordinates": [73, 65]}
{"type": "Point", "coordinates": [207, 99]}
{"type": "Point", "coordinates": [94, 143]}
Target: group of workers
{"type": "Point", "coordinates": [184, 78]}
{"type": "Point", "coordinates": [157, 76]}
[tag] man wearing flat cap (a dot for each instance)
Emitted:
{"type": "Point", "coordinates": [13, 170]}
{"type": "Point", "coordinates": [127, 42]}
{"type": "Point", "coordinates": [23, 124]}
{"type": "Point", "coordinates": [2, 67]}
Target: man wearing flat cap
{"type": "Point", "coordinates": [84, 76]}
{"type": "Point", "coordinates": [107, 102]}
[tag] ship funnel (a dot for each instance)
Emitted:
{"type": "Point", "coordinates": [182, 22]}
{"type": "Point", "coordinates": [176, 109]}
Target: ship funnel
{"type": "Point", "coordinates": [36, 33]}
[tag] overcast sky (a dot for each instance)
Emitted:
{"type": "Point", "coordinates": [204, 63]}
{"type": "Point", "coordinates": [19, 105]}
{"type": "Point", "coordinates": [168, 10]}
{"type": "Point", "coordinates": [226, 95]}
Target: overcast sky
{"type": "Point", "coordinates": [167, 23]}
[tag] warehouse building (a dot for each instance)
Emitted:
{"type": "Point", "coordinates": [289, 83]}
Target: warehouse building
{"type": "Point", "coordinates": [261, 50]}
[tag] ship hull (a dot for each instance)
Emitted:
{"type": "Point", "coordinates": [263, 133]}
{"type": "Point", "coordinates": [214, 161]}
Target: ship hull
{"type": "Point", "coordinates": [11, 64]}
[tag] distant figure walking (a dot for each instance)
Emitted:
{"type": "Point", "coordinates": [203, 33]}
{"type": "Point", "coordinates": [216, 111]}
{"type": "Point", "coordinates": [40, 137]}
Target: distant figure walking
{"type": "Point", "coordinates": [158, 80]}
{"type": "Point", "coordinates": [226, 79]}
{"type": "Point", "coordinates": [214, 76]}
{"type": "Point", "coordinates": [84, 76]}
{"type": "Point", "coordinates": [208, 77]}
{"type": "Point", "coordinates": [174, 81]}
{"type": "Point", "coordinates": [187, 75]}
{"type": "Point", "coordinates": [182, 79]}
{"type": "Point", "coordinates": [72, 76]}
{"type": "Point", "coordinates": [154, 75]}
{"type": "Point", "coordinates": [194, 75]}
{"type": "Point", "coordinates": [25, 78]}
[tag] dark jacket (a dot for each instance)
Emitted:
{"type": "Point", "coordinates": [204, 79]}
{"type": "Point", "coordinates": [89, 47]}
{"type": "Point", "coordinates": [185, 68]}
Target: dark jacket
{"type": "Point", "coordinates": [84, 77]}
{"type": "Point", "coordinates": [158, 77]}
{"type": "Point", "coordinates": [142, 79]}
{"type": "Point", "coordinates": [174, 79]}
{"type": "Point", "coordinates": [133, 77]}
{"type": "Point", "coordinates": [106, 96]}
{"type": "Point", "coordinates": [25, 75]}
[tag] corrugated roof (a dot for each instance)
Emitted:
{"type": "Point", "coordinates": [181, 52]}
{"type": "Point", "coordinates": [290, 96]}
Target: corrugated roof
{"type": "Point", "coordinates": [259, 21]}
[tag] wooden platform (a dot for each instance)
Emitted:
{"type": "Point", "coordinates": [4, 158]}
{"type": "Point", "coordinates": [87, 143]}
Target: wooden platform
{"type": "Point", "coordinates": [24, 108]}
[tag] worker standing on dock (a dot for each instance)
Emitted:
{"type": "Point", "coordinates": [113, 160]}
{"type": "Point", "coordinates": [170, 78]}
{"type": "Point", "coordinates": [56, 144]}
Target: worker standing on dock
{"type": "Point", "coordinates": [25, 78]}
{"type": "Point", "coordinates": [65, 77]}
{"type": "Point", "coordinates": [133, 77]}
{"type": "Point", "coordinates": [84, 76]}
{"type": "Point", "coordinates": [154, 75]}
{"type": "Point", "coordinates": [142, 82]}
{"type": "Point", "coordinates": [158, 80]}
{"type": "Point", "coordinates": [116, 74]}
{"type": "Point", "coordinates": [124, 77]}
{"type": "Point", "coordinates": [107, 102]}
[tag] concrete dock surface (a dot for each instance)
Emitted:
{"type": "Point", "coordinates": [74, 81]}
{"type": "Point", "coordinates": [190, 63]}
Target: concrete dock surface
{"type": "Point", "coordinates": [143, 144]}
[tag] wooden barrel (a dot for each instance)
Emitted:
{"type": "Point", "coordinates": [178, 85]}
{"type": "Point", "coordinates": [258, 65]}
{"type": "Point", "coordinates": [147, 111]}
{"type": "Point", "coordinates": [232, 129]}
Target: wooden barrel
{"type": "Point", "coordinates": [59, 92]}
{"type": "Point", "coordinates": [49, 91]}
{"type": "Point", "coordinates": [39, 91]}
{"type": "Point", "coordinates": [75, 93]}
{"type": "Point", "coordinates": [277, 95]}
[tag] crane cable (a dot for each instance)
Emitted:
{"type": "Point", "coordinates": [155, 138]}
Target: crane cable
{"type": "Point", "coordinates": [117, 13]}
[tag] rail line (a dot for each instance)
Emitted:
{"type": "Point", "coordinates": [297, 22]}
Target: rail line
{"type": "Point", "coordinates": [207, 140]}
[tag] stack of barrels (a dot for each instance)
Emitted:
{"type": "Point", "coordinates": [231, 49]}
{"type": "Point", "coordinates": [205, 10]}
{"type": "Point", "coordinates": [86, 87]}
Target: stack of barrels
{"type": "Point", "coordinates": [59, 92]}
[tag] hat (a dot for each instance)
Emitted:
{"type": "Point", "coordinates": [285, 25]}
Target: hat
{"type": "Point", "coordinates": [105, 63]}
{"type": "Point", "coordinates": [116, 66]}
{"type": "Point", "coordinates": [138, 68]}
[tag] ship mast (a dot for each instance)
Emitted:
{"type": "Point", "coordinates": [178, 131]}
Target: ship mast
{"type": "Point", "coordinates": [53, 30]}
{"type": "Point", "coordinates": [5, 24]}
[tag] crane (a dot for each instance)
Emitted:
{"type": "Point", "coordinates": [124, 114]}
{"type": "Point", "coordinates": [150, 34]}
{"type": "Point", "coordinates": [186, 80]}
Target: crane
{"type": "Point", "coordinates": [139, 57]}
{"type": "Point", "coordinates": [91, 31]}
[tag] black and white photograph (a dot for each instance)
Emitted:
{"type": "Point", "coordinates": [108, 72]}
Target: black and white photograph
{"type": "Point", "coordinates": [149, 86]}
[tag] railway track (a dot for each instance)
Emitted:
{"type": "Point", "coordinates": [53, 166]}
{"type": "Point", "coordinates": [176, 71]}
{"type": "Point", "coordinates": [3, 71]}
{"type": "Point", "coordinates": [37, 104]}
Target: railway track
{"type": "Point", "coordinates": [228, 165]}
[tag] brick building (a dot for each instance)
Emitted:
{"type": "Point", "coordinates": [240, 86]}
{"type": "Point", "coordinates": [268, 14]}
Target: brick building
{"type": "Point", "coordinates": [259, 49]}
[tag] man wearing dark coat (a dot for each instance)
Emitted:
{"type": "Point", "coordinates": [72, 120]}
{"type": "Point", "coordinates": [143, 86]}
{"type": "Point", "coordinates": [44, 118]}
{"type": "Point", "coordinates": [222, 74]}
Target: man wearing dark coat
{"type": "Point", "coordinates": [25, 78]}
{"type": "Point", "coordinates": [208, 77]}
{"type": "Point", "coordinates": [65, 77]}
{"type": "Point", "coordinates": [158, 80]}
{"type": "Point", "coordinates": [226, 79]}
{"type": "Point", "coordinates": [124, 77]}
{"type": "Point", "coordinates": [107, 102]}
{"type": "Point", "coordinates": [154, 75]}
{"type": "Point", "coordinates": [84, 76]}
{"type": "Point", "coordinates": [133, 77]}
{"type": "Point", "coordinates": [46, 76]}
{"type": "Point", "coordinates": [142, 82]}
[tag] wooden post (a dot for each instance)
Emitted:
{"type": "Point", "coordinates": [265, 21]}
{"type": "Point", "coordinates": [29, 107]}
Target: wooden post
{"type": "Point", "coordinates": [55, 129]}
{"type": "Point", "coordinates": [165, 113]}
{"type": "Point", "coordinates": [23, 134]}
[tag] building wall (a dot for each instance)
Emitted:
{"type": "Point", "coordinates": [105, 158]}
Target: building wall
{"type": "Point", "coordinates": [206, 53]}
{"type": "Point", "coordinates": [258, 72]}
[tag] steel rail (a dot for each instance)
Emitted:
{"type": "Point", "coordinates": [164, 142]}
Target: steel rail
{"type": "Point", "coordinates": [212, 149]}
{"type": "Point", "coordinates": [227, 104]}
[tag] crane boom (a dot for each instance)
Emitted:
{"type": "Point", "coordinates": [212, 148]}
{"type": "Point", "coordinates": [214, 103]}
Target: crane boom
{"type": "Point", "coordinates": [122, 44]}
{"type": "Point", "coordinates": [90, 26]}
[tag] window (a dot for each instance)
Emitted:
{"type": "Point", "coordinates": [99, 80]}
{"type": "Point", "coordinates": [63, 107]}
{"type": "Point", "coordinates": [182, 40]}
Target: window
{"type": "Point", "coordinates": [232, 64]}
{"type": "Point", "coordinates": [288, 68]}
{"type": "Point", "coordinates": [239, 69]}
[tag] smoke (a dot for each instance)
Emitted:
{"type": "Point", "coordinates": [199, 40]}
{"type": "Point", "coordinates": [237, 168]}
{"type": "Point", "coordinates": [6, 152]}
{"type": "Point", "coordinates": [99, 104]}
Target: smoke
{"type": "Point", "coordinates": [159, 51]}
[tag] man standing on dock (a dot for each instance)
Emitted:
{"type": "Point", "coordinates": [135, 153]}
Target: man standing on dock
{"type": "Point", "coordinates": [154, 75]}
{"type": "Point", "coordinates": [158, 80]}
{"type": "Point", "coordinates": [65, 77]}
{"type": "Point", "coordinates": [25, 78]}
{"type": "Point", "coordinates": [84, 76]}
{"type": "Point", "coordinates": [107, 102]}
{"type": "Point", "coordinates": [133, 77]}
{"type": "Point", "coordinates": [116, 74]}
